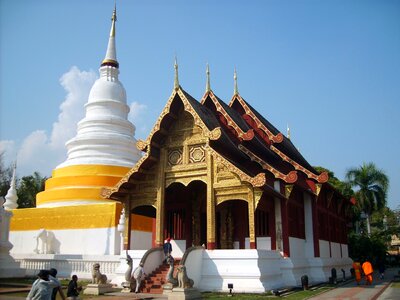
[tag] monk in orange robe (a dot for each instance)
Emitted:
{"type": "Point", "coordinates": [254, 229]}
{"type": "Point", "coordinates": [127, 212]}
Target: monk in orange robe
{"type": "Point", "coordinates": [367, 269]}
{"type": "Point", "coordinates": [357, 271]}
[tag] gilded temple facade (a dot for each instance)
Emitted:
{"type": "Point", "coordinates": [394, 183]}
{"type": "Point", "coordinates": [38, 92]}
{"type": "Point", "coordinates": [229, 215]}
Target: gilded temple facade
{"type": "Point", "coordinates": [222, 176]}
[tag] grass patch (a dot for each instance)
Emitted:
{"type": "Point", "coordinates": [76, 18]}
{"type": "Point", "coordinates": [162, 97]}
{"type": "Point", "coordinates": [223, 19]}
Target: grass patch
{"type": "Point", "coordinates": [396, 284]}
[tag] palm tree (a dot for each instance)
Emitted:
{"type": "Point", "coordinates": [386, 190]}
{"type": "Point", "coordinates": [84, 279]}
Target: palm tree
{"type": "Point", "coordinates": [372, 185]}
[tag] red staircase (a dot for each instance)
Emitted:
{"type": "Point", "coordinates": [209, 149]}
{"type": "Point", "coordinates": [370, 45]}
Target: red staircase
{"type": "Point", "coordinates": [153, 283]}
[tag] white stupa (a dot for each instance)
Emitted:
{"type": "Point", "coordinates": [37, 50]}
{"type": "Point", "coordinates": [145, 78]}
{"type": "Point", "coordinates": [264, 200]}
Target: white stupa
{"type": "Point", "coordinates": [71, 209]}
{"type": "Point", "coordinates": [11, 197]}
{"type": "Point", "coordinates": [104, 147]}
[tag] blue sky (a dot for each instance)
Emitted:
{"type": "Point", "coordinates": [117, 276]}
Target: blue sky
{"type": "Point", "coordinates": [329, 69]}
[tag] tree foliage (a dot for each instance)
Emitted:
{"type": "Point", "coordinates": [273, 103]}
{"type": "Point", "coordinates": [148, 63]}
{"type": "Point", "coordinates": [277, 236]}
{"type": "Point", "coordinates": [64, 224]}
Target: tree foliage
{"type": "Point", "coordinates": [372, 185]}
{"type": "Point", "coordinates": [28, 187]}
{"type": "Point", "coordinates": [5, 176]}
{"type": "Point", "coordinates": [343, 187]}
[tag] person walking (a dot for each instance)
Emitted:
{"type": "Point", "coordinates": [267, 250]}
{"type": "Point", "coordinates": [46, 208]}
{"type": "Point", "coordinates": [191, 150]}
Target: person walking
{"type": "Point", "coordinates": [42, 288]}
{"type": "Point", "coordinates": [73, 289]}
{"type": "Point", "coordinates": [368, 270]}
{"type": "Point", "coordinates": [357, 271]}
{"type": "Point", "coordinates": [53, 272]}
{"type": "Point", "coordinates": [167, 249]}
{"type": "Point", "coordinates": [138, 274]}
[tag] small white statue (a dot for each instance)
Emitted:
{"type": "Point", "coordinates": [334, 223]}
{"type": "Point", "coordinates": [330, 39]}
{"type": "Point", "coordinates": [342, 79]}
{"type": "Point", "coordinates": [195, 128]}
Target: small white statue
{"type": "Point", "coordinates": [44, 242]}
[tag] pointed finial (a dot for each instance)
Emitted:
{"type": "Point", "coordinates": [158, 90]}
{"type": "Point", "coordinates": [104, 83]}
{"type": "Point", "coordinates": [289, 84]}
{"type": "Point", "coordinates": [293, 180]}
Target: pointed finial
{"type": "Point", "coordinates": [176, 80]}
{"type": "Point", "coordinates": [208, 86]}
{"type": "Point", "coordinates": [235, 90]}
{"type": "Point", "coordinates": [111, 54]}
{"type": "Point", "coordinates": [288, 131]}
{"type": "Point", "coordinates": [113, 20]}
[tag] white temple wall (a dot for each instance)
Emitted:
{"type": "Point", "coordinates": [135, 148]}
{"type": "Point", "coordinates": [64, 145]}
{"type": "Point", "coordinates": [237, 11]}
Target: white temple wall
{"type": "Point", "coordinates": [96, 241]}
{"type": "Point", "coordinates": [345, 250]}
{"type": "Point", "coordinates": [140, 240]}
{"type": "Point", "coordinates": [297, 247]}
{"type": "Point", "coordinates": [253, 270]}
{"type": "Point", "coordinates": [264, 243]}
{"type": "Point", "coordinates": [335, 250]}
{"type": "Point", "coordinates": [324, 250]}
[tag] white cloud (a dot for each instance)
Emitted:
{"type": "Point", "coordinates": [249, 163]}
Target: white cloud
{"type": "Point", "coordinates": [77, 84]}
{"type": "Point", "coordinates": [7, 149]}
{"type": "Point", "coordinates": [137, 116]}
{"type": "Point", "coordinates": [42, 153]}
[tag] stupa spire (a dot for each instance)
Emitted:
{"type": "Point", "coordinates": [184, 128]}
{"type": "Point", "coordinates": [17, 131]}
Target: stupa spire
{"type": "Point", "coordinates": [11, 197]}
{"type": "Point", "coordinates": [111, 54]}
{"type": "Point", "coordinates": [176, 79]}
{"type": "Point", "coordinates": [208, 85]}
{"type": "Point", "coordinates": [235, 89]}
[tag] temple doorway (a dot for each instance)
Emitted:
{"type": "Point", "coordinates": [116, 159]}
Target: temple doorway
{"type": "Point", "coordinates": [185, 214]}
{"type": "Point", "coordinates": [143, 226]}
{"type": "Point", "coordinates": [232, 225]}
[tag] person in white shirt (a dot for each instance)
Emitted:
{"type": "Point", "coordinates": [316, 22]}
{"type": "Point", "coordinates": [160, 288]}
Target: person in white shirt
{"type": "Point", "coordinates": [43, 286]}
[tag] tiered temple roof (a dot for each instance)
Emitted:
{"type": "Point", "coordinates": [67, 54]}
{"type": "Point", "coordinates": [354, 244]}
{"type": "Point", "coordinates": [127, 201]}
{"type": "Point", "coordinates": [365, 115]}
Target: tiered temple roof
{"type": "Point", "coordinates": [238, 134]}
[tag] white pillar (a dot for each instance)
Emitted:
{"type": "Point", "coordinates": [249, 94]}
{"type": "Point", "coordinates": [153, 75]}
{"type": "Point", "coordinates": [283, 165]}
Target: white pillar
{"type": "Point", "coordinates": [308, 224]}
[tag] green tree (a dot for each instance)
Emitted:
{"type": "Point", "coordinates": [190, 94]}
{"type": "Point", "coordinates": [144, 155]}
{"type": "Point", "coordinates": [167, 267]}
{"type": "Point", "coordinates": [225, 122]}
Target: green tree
{"type": "Point", "coordinates": [342, 186]}
{"type": "Point", "coordinates": [5, 176]}
{"type": "Point", "coordinates": [27, 189]}
{"type": "Point", "coordinates": [372, 185]}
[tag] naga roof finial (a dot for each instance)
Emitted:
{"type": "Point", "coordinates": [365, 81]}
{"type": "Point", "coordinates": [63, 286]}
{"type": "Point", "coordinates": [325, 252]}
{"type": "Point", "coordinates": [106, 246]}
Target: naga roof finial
{"type": "Point", "coordinates": [208, 85]}
{"type": "Point", "coordinates": [235, 90]}
{"type": "Point", "coordinates": [176, 80]}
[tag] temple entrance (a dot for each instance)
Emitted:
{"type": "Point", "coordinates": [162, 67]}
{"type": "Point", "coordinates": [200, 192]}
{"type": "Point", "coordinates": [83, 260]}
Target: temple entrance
{"type": "Point", "coordinates": [232, 225]}
{"type": "Point", "coordinates": [185, 214]}
{"type": "Point", "coordinates": [143, 226]}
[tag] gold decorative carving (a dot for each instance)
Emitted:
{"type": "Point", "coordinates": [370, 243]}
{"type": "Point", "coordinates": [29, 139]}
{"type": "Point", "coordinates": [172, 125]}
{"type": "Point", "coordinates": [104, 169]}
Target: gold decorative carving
{"type": "Point", "coordinates": [323, 177]}
{"type": "Point", "coordinates": [197, 154]}
{"type": "Point", "coordinates": [288, 190]}
{"type": "Point", "coordinates": [257, 181]}
{"type": "Point", "coordinates": [215, 134]}
{"type": "Point", "coordinates": [273, 138]}
{"type": "Point", "coordinates": [141, 145]}
{"type": "Point", "coordinates": [107, 192]}
{"type": "Point", "coordinates": [257, 196]}
{"type": "Point", "coordinates": [318, 187]}
{"type": "Point", "coordinates": [174, 157]}
{"type": "Point", "coordinates": [291, 177]}
{"type": "Point", "coordinates": [248, 135]}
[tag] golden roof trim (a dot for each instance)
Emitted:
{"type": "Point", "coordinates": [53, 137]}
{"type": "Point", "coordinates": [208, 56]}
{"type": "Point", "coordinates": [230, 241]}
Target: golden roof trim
{"type": "Point", "coordinates": [257, 181]}
{"type": "Point", "coordinates": [273, 138]}
{"type": "Point", "coordinates": [321, 178]}
{"type": "Point", "coordinates": [291, 177]}
{"type": "Point", "coordinates": [247, 136]}
{"type": "Point", "coordinates": [107, 192]}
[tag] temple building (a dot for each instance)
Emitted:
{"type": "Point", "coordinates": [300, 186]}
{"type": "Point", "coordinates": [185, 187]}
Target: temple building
{"type": "Point", "coordinates": [237, 198]}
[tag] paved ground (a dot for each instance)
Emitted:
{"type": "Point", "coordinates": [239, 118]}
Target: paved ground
{"type": "Point", "coordinates": [379, 290]}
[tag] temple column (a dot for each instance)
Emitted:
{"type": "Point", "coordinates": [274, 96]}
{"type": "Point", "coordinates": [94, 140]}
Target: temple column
{"type": "Point", "coordinates": [285, 227]}
{"type": "Point", "coordinates": [278, 224]}
{"type": "Point", "coordinates": [160, 213]}
{"type": "Point", "coordinates": [252, 233]}
{"type": "Point", "coordinates": [308, 225]}
{"type": "Point", "coordinates": [210, 203]}
{"type": "Point", "coordinates": [127, 228]}
{"type": "Point", "coordinates": [315, 226]}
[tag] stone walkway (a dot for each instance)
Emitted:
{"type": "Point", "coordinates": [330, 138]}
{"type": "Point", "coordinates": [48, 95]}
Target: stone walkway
{"type": "Point", "coordinates": [380, 289]}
